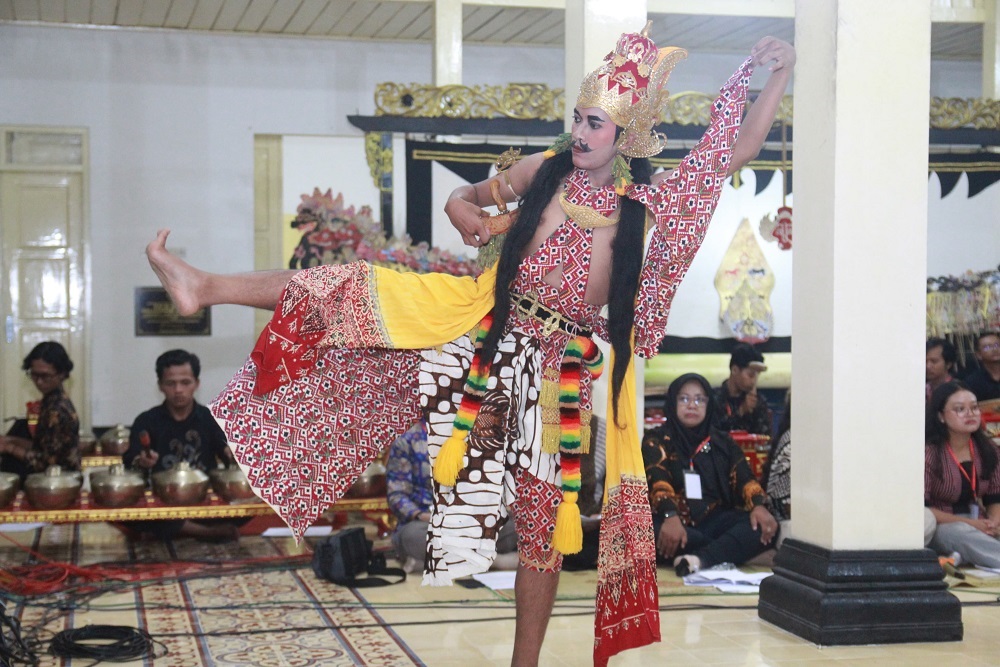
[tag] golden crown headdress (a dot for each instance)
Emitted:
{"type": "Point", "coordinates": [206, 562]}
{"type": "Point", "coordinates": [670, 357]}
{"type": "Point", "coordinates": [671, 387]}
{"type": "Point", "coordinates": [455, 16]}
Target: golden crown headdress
{"type": "Point", "coordinates": [631, 88]}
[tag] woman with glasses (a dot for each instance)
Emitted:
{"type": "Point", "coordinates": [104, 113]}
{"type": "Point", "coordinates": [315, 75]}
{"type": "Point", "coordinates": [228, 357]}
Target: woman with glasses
{"type": "Point", "coordinates": [961, 477]}
{"type": "Point", "coordinates": [55, 438]}
{"type": "Point", "coordinates": [707, 506]}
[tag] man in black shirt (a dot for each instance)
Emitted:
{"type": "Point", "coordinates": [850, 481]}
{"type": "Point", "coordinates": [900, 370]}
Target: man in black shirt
{"type": "Point", "coordinates": [985, 380]}
{"type": "Point", "coordinates": [739, 406]}
{"type": "Point", "coordinates": [179, 429]}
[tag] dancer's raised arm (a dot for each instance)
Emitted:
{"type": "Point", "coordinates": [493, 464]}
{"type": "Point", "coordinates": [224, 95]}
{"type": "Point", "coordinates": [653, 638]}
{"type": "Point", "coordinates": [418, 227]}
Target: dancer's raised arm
{"type": "Point", "coordinates": [760, 117]}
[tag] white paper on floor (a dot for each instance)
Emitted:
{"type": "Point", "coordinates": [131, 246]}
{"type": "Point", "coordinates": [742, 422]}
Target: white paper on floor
{"type": "Point", "coordinates": [20, 527]}
{"type": "Point", "coordinates": [312, 531]}
{"type": "Point", "coordinates": [728, 580]}
{"type": "Point", "coordinates": [500, 580]}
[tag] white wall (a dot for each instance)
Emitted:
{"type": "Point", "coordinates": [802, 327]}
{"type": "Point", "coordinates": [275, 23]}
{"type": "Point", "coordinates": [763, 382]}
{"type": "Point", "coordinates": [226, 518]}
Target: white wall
{"type": "Point", "coordinates": [963, 234]}
{"type": "Point", "coordinates": [171, 118]}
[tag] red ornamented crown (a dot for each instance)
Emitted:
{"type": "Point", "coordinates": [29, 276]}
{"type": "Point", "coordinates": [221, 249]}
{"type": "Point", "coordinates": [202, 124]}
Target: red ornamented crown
{"type": "Point", "coordinates": [631, 88]}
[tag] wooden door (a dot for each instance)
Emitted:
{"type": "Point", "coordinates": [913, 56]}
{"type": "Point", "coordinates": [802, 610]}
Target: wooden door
{"type": "Point", "coordinates": [43, 262]}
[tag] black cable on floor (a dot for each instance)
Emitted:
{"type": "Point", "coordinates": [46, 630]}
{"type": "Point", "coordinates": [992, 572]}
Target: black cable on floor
{"type": "Point", "coordinates": [105, 643]}
{"type": "Point", "coordinates": [13, 649]}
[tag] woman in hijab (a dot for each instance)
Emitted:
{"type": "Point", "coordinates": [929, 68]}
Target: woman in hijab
{"type": "Point", "coordinates": [707, 506]}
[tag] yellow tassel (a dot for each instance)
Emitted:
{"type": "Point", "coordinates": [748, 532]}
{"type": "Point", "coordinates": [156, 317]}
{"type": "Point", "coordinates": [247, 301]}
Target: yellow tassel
{"type": "Point", "coordinates": [620, 189]}
{"type": "Point", "coordinates": [547, 154]}
{"type": "Point", "coordinates": [451, 458]}
{"type": "Point", "coordinates": [568, 538]}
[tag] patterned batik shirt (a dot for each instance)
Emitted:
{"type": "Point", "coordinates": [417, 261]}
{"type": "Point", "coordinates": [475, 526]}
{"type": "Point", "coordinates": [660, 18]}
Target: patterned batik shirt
{"type": "Point", "coordinates": [57, 435]}
{"type": "Point", "coordinates": [779, 481]}
{"type": "Point", "coordinates": [408, 475]}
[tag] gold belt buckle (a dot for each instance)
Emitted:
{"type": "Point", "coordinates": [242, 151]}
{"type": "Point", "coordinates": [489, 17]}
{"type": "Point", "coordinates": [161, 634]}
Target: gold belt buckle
{"type": "Point", "coordinates": [550, 324]}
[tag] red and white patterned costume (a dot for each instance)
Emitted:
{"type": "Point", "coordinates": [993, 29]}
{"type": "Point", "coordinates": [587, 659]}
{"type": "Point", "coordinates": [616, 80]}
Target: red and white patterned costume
{"type": "Point", "coordinates": [324, 393]}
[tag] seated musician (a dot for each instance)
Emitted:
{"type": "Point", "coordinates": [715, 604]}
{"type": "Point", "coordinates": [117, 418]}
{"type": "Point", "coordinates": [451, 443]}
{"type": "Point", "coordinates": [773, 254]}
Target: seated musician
{"type": "Point", "coordinates": [179, 429]}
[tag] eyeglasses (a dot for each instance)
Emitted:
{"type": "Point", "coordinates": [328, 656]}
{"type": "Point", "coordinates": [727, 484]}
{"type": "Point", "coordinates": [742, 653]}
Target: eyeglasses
{"type": "Point", "coordinates": [990, 347]}
{"type": "Point", "coordinates": [697, 401]}
{"type": "Point", "coordinates": [963, 410]}
{"type": "Point", "coordinates": [35, 376]}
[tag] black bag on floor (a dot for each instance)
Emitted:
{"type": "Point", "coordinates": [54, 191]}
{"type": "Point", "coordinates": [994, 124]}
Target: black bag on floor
{"type": "Point", "coordinates": [341, 557]}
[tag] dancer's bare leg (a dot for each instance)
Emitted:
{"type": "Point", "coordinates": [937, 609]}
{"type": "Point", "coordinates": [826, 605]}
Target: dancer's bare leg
{"type": "Point", "coordinates": [191, 288]}
{"type": "Point", "coordinates": [535, 593]}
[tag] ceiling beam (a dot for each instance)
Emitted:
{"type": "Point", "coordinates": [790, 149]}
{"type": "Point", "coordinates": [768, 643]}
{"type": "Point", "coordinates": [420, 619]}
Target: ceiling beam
{"type": "Point", "coordinates": [760, 8]}
{"type": "Point", "coordinates": [528, 4]}
{"type": "Point", "coordinates": [960, 11]}
{"type": "Point", "coordinates": [942, 11]}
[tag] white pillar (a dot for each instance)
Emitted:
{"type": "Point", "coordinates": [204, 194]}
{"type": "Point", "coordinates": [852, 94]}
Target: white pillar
{"type": "Point", "coordinates": [447, 42]}
{"type": "Point", "coordinates": [592, 29]}
{"type": "Point", "coordinates": [860, 139]}
{"type": "Point", "coordinates": [854, 570]}
{"type": "Point", "coordinates": [991, 52]}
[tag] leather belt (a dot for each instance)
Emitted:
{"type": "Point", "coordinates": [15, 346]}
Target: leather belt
{"type": "Point", "coordinates": [528, 306]}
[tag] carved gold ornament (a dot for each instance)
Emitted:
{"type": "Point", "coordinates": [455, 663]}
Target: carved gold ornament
{"type": "Point", "coordinates": [536, 101]}
{"type": "Point", "coordinates": [949, 113]}
{"type": "Point", "coordinates": [379, 159]}
{"type": "Point", "coordinates": [521, 101]}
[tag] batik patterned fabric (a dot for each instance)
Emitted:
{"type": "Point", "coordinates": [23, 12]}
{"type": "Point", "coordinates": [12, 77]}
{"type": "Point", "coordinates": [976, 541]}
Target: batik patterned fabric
{"type": "Point", "coordinates": [303, 444]}
{"type": "Point", "coordinates": [682, 206]}
{"type": "Point", "coordinates": [567, 250]}
{"type": "Point", "coordinates": [628, 612]}
{"type": "Point", "coordinates": [409, 485]}
{"type": "Point", "coordinates": [506, 471]}
{"type": "Point", "coordinates": [313, 315]}
{"type": "Point", "coordinates": [56, 440]}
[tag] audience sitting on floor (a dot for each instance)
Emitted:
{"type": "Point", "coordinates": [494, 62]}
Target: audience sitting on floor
{"type": "Point", "coordinates": [961, 477]}
{"type": "Point", "coordinates": [410, 496]}
{"type": "Point", "coordinates": [739, 406]}
{"type": "Point", "coordinates": [941, 358]}
{"type": "Point", "coordinates": [707, 506]}
{"type": "Point", "coordinates": [50, 435]}
{"type": "Point", "coordinates": [179, 429]}
{"type": "Point", "coordinates": [777, 475]}
{"type": "Point", "coordinates": [984, 382]}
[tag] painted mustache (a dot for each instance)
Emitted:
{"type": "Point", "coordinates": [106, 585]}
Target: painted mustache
{"type": "Point", "coordinates": [582, 147]}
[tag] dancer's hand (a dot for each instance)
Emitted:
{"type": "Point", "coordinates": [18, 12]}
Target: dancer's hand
{"type": "Point", "coordinates": [772, 49]}
{"type": "Point", "coordinates": [469, 220]}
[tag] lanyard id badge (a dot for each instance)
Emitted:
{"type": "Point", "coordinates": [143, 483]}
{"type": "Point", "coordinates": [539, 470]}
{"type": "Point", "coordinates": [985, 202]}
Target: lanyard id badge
{"type": "Point", "coordinates": [692, 480]}
{"type": "Point", "coordinates": [692, 485]}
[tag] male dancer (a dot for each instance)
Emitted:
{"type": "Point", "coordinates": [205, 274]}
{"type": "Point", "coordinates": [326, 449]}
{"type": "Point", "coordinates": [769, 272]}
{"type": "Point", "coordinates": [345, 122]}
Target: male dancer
{"type": "Point", "coordinates": [355, 352]}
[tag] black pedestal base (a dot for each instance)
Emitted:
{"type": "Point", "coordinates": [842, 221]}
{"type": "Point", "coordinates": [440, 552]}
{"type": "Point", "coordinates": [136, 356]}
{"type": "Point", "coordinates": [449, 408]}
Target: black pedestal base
{"type": "Point", "coordinates": [860, 597]}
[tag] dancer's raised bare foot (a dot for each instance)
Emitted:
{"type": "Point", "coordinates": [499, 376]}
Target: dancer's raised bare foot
{"type": "Point", "coordinates": [182, 281]}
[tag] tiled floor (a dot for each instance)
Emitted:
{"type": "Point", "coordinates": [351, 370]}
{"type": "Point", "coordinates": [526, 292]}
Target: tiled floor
{"type": "Point", "coordinates": [440, 626]}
